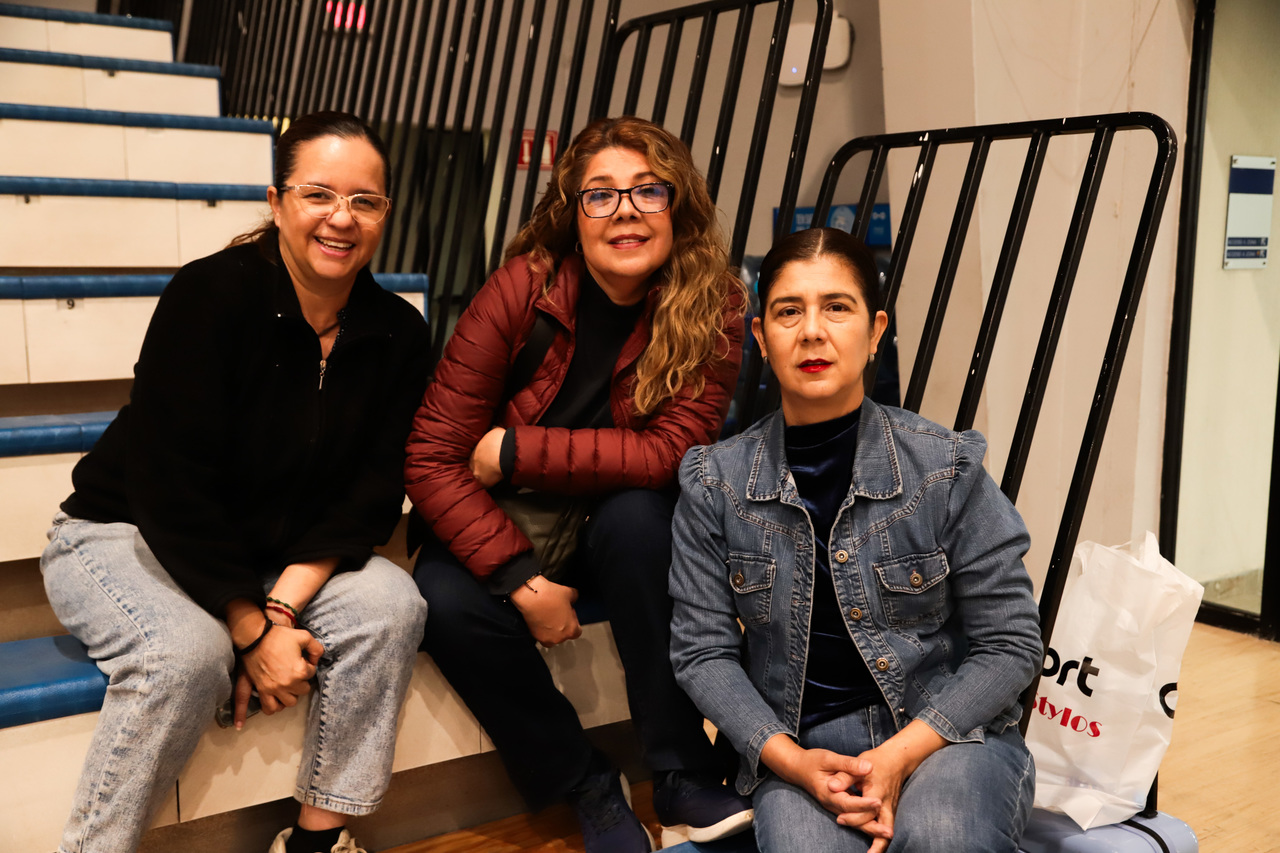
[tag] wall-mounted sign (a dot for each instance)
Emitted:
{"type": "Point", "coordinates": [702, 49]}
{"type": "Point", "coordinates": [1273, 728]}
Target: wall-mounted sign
{"type": "Point", "coordinates": [841, 216]}
{"type": "Point", "coordinates": [525, 157]}
{"type": "Point", "coordinates": [1249, 192]}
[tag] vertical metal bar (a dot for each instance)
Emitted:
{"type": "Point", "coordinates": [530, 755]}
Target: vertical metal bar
{"type": "Point", "coordinates": [804, 121]}
{"type": "Point", "coordinates": [338, 59]}
{"type": "Point", "coordinates": [401, 118]}
{"type": "Point", "coordinates": [474, 223]}
{"type": "Point", "coordinates": [947, 273]}
{"type": "Point", "coordinates": [379, 62]}
{"type": "Point", "coordinates": [638, 61]}
{"type": "Point", "coordinates": [607, 63]}
{"type": "Point", "coordinates": [319, 60]}
{"type": "Point", "coordinates": [360, 38]}
{"type": "Point", "coordinates": [585, 12]}
{"type": "Point", "coordinates": [907, 227]}
{"type": "Point", "coordinates": [517, 123]}
{"type": "Point", "coordinates": [396, 74]}
{"type": "Point", "coordinates": [247, 64]}
{"type": "Point", "coordinates": [1042, 364]}
{"type": "Point", "coordinates": [1184, 280]}
{"type": "Point", "coordinates": [1269, 611]}
{"type": "Point", "coordinates": [300, 85]}
{"type": "Point", "coordinates": [275, 16]}
{"type": "Point", "coordinates": [533, 178]}
{"type": "Point", "coordinates": [724, 124]}
{"type": "Point", "coordinates": [426, 149]}
{"type": "Point", "coordinates": [496, 134]}
{"type": "Point", "coordinates": [698, 78]}
{"type": "Point", "coordinates": [1109, 374]}
{"type": "Point", "coordinates": [760, 133]}
{"type": "Point", "coordinates": [287, 71]}
{"type": "Point", "coordinates": [667, 75]}
{"type": "Point", "coordinates": [453, 186]}
{"type": "Point", "coordinates": [1018, 217]}
{"type": "Point", "coordinates": [353, 42]}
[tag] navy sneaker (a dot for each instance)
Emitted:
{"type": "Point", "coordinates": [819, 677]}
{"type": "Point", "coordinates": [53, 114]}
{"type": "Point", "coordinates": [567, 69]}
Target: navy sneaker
{"type": "Point", "coordinates": [694, 807]}
{"type": "Point", "coordinates": [602, 802]}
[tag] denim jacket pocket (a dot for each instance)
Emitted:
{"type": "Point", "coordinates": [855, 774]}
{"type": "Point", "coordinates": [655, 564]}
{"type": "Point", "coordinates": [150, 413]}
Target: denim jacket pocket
{"type": "Point", "coordinates": [751, 579]}
{"type": "Point", "coordinates": [912, 587]}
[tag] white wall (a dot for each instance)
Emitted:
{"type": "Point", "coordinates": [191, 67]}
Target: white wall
{"type": "Point", "coordinates": [1235, 320]}
{"type": "Point", "coordinates": [987, 61]}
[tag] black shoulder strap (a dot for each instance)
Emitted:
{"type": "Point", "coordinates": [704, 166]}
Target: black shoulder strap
{"type": "Point", "coordinates": [529, 359]}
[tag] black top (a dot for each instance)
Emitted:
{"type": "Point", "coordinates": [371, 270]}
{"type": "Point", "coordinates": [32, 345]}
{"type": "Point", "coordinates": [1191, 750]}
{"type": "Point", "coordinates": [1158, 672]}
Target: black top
{"type": "Point", "coordinates": [232, 457]}
{"type": "Point", "coordinates": [836, 679]}
{"type": "Point", "coordinates": [601, 327]}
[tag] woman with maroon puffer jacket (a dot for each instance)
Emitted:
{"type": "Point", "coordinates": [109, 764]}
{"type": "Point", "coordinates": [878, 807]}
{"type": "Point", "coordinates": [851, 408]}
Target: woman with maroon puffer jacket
{"type": "Point", "coordinates": [607, 345]}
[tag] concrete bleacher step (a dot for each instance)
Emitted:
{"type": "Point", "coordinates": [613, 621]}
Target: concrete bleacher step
{"type": "Point", "coordinates": [130, 85]}
{"type": "Point", "coordinates": [62, 142]}
{"type": "Point", "coordinates": [37, 454]}
{"type": "Point", "coordinates": [47, 714]}
{"type": "Point", "coordinates": [85, 33]}
{"type": "Point", "coordinates": [67, 223]}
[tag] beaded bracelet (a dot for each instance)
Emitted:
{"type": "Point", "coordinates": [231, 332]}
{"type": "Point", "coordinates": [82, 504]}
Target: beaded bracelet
{"type": "Point", "coordinates": [266, 629]}
{"type": "Point", "coordinates": [293, 622]}
{"type": "Point", "coordinates": [286, 605]}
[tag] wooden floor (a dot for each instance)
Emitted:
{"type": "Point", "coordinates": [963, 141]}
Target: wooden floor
{"type": "Point", "coordinates": [1220, 775]}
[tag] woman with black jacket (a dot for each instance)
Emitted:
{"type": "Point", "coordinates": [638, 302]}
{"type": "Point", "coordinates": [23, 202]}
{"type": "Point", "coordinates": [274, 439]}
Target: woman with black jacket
{"type": "Point", "coordinates": [221, 532]}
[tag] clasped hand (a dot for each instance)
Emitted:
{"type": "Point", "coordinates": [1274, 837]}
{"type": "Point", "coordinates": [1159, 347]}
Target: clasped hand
{"type": "Point", "coordinates": [280, 668]}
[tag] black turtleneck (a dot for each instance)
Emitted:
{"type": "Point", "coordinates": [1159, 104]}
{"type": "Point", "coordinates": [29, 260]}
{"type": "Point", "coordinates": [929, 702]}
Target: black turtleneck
{"type": "Point", "coordinates": [837, 679]}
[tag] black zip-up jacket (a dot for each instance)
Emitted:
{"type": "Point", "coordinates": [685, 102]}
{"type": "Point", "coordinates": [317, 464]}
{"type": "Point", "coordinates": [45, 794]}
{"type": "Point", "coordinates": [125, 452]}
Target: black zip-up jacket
{"type": "Point", "coordinates": [235, 457]}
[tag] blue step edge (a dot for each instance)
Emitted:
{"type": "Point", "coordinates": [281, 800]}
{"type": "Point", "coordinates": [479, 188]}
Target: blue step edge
{"type": "Point", "coordinates": [80, 115]}
{"type": "Point", "coordinates": [132, 189]}
{"type": "Point", "coordinates": [35, 435]}
{"type": "Point", "coordinates": [107, 63]}
{"type": "Point", "coordinates": [46, 678]}
{"type": "Point", "coordinates": [107, 286]}
{"type": "Point", "coordinates": [14, 10]}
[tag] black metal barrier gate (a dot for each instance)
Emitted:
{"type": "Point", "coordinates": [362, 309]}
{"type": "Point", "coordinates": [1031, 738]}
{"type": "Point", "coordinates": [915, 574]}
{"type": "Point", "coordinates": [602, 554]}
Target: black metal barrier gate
{"type": "Point", "coordinates": [1103, 129]}
{"type": "Point", "coordinates": [436, 78]}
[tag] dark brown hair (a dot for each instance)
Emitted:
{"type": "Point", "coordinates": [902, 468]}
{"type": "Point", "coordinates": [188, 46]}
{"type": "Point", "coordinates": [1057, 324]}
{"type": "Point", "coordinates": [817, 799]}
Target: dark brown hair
{"type": "Point", "coordinates": [813, 243]}
{"type": "Point", "coordinates": [305, 129]}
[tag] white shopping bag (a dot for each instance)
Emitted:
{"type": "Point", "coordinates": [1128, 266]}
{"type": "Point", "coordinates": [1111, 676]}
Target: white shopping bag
{"type": "Point", "coordinates": [1104, 709]}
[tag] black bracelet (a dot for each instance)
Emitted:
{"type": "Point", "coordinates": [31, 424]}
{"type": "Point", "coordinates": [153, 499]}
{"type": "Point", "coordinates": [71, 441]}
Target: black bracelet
{"type": "Point", "coordinates": [266, 629]}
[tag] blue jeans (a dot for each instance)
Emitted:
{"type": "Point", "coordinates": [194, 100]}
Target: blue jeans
{"type": "Point", "coordinates": [968, 796]}
{"type": "Point", "coordinates": [169, 665]}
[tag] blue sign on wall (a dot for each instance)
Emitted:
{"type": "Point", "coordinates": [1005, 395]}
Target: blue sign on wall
{"type": "Point", "coordinates": [841, 216]}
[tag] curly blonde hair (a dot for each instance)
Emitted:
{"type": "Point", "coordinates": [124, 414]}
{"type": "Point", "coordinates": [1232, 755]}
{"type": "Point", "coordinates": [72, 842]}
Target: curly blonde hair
{"type": "Point", "coordinates": [697, 286]}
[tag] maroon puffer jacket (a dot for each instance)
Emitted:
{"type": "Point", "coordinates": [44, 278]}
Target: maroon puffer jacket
{"type": "Point", "coordinates": [459, 408]}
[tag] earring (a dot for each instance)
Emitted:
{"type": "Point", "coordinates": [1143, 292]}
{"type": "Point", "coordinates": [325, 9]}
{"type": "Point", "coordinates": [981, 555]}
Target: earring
{"type": "Point", "coordinates": [765, 358]}
{"type": "Point", "coordinates": [872, 359]}
{"type": "Point", "coordinates": [577, 247]}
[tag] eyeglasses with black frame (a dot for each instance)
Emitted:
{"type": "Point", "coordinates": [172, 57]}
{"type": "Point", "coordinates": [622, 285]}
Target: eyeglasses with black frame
{"type": "Point", "coordinates": [322, 202]}
{"type": "Point", "coordinates": [601, 202]}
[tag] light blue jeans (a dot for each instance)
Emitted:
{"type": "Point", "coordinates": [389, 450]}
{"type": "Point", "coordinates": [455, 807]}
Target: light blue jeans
{"type": "Point", "coordinates": [169, 664]}
{"type": "Point", "coordinates": [965, 798]}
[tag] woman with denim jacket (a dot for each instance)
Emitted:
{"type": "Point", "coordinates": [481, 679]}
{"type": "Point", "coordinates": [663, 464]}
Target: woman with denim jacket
{"type": "Point", "coordinates": [877, 572]}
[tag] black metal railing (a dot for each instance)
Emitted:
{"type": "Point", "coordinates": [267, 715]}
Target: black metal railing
{"type": "Point", "coordinates": [1102, 129]}
{"type": "Point", "coordinates": [453, 84]}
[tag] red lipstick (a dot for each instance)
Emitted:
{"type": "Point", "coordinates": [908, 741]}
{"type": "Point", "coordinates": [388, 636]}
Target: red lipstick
{"type": "Point", "coordinates": [814, 365]}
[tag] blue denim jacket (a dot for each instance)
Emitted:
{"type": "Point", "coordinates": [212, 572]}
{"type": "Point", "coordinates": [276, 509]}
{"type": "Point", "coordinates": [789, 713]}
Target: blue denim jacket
{"type": "Point", "coordinates": [926, 553]}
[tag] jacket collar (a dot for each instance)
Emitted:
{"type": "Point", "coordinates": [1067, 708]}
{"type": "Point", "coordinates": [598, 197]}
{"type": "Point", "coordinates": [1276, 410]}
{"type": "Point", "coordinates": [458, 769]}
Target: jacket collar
{"type": "Point", "coordinates": [358, 315]}
{"type": "Point", "coordinates": [876, 473]}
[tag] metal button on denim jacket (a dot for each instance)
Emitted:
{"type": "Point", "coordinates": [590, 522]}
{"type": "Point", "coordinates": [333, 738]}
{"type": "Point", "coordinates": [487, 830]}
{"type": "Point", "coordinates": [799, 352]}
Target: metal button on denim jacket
{"type": "Point", "coordinates": [927, 561]}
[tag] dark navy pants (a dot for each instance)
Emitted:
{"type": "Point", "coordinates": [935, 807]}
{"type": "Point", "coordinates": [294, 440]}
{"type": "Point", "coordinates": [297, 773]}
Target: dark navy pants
{"type": "Point", "coordinates": [481, 644]}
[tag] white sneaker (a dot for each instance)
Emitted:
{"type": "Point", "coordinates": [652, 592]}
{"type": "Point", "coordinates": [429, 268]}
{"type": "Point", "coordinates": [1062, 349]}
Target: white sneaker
{"type": "Point", "coordinates": [346, 844]}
